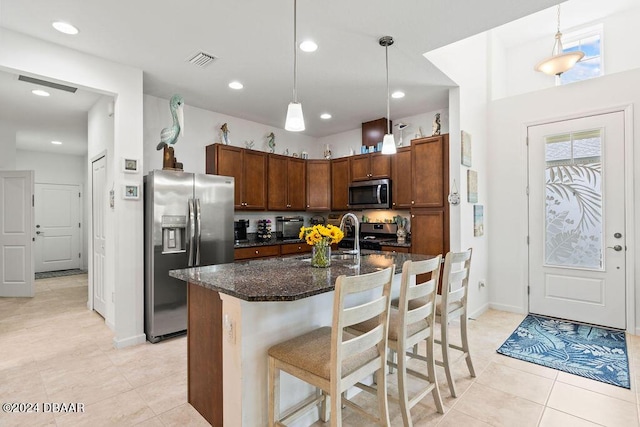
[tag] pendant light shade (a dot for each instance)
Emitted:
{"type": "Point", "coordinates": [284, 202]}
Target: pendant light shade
{"type": "Point", "coordinates": [559, 62]}
{"type": "Point", "coordinates": [388, 142]}
{"type": "Point", "coordinates": [295, 119]}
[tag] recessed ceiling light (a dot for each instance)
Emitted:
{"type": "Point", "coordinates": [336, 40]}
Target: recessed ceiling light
{"type": "Point", "coordinates": [56, 142]}
{"type": "Point", "coordinates": [65, 27]}
{"type": "Point", "coordinates": [308, 46]}
{"type": "Point", "coordinates": [397, 94]}
{"type": "Point", "coordinates": [325, 116]}
{"type": "Point", "coordinates": [236, 85]}
{"type": "Point", "coordinates": [40, 92]}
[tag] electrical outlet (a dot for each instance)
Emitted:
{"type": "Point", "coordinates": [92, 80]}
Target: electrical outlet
{"type": "Point", "coordinates": [227, 326]}
{"type": "Point", "coordinates": [481, 284]}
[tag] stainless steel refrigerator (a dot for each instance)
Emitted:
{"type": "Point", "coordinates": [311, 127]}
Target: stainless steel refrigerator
{"type": "Point", "coordinates": [188, 223]}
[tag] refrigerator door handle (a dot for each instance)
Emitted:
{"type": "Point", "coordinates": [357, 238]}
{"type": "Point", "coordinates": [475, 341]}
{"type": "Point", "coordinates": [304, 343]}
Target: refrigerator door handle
{"type": "Point", "coordinates": [198, 231]}
{"type": "Point", "coordinates": [192, 234]}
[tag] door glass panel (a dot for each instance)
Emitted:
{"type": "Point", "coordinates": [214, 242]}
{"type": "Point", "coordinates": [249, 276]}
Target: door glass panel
{"type": "Point", "coordinates": [573, 206]}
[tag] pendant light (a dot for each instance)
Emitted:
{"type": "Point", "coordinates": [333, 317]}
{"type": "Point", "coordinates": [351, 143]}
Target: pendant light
{"type": "Point", "coordinates": [559, 62]}
{"type": "Point", "coordinates": [295, 119]}
{"type": "Point", "coordinates": [388, 143]}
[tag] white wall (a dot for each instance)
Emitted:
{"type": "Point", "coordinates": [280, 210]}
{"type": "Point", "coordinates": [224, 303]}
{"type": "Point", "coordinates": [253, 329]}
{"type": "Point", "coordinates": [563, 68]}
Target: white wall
{"type": "Point", "coordinates": [202, 128]}
{"type": "Point", "coordinates": [340, 144]}
{"type": "Point", "coordinates": [621, 53]}
{"type": "Point", "coordinates": [7, 148]}
{"type": "Point", "coordinates": [52, 168]}
{"type": "Point", "coordinates": [21, 53]}
{"type": "Point", "coordinates": [507, 175]}
{"type": "Point", "coordinates": [467, 62]}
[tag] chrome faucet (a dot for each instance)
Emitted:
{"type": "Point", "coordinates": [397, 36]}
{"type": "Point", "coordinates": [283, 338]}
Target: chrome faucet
{"type": "Point", "coordinates": [356, 243]}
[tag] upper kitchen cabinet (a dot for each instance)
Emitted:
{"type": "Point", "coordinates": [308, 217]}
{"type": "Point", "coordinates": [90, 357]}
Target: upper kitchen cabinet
{"type": "Point", "coordinates": [318, 185]}
{"type": "Point", "coordinates": [369, 166]}
{"type": "Point", "coordinates": [430, 170]}
{"type": "Point", "coordinates": [374, 131]}
{"type": "Point", "coordinates": [340, 184]}
{"type": "Point", "coordinates": [287, 183]}
{"type": "Point", "coordinates": [248, 167]}
{"type": "Point", "coordinates": [401, 179]}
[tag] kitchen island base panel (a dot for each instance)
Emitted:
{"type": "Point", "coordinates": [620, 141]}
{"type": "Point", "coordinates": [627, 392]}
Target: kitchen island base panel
{"type": "Point", "coordinates": [204, 344]}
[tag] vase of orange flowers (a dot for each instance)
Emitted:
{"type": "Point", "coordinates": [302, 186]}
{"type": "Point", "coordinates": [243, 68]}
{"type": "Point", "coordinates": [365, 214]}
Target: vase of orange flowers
{"type": "Point", "coordinates": [320, 238]}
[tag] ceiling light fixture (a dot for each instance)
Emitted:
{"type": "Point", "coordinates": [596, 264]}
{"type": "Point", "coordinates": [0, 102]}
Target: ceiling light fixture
{"type": "Point", "coordinates": [40, 92]}
{"type": "Point", "coordinates": [295, 119]}
{"type": "Point", "coordinates": [559, 62]}
{"type": "Point", "coordinates": [236, 85]}
{"type": "Point", "coordinates": [397, 94]}
{"type": "Point", "coordinates": [308, 46]}
{"type": "Point", "coordinates": [65, 27]}
{"type": "Point", "coordinates": [56, 142]}
{"type": "Point", "coordinates": [325, 116]}
{"type": "Point", "coordinates": [388, 143]}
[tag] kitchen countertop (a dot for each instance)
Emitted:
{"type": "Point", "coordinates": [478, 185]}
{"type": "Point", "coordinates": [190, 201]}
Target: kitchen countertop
{"type": "Point", "coordinates": [288, 278]}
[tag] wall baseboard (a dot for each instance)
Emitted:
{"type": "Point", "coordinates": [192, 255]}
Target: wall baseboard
{"type": "Point", "coordinates": [507, 308]}
{"type": "Point", "coordinates": [131, 341]}
{"type": "Point", "coordinates": [479, 312]}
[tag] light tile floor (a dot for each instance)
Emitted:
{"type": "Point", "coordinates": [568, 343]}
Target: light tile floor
{"type": "Point", "coordinates": [52, 349]}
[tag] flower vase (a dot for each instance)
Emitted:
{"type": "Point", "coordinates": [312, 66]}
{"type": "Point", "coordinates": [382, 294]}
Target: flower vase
{"type": "Point", "coordinates": [321, 256]}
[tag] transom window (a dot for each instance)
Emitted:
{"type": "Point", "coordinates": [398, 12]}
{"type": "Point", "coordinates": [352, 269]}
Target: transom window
{"type": "Point", "coordinates": [588, 40]}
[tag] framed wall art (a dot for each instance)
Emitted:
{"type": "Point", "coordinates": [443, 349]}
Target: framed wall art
{"type": "Point", "coordinates": [130, 165]}
{"type": "Point", "coordinates": [478, 220]}
{"type": "Point", "coordinates": [465, 143]}
{"type": "Point", "coordinates": [131, 192]}
{"type": "Point", "coordinates": [472, 186]}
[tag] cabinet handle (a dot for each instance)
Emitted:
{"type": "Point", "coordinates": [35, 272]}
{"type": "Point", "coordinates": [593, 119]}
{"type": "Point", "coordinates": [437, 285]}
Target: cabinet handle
{"type": "Point", "coordinates": [299, 248]}
{"type": "Point", "coordinates": [413, 216]}
{"type": "Point", "coordinates": [307, 205]}
{"type": "Point", "coordinates": [257, 252]}
{"type": "Point", "coordinates": [413, 203]}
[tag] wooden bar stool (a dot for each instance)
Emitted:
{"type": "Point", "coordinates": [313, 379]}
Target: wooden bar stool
{"type": "Point", "coordinates": [410, 324]}
{"type": "Point", "coordinates": [334, 360]}
{"type": "Point", "coordinates": [452, 304]}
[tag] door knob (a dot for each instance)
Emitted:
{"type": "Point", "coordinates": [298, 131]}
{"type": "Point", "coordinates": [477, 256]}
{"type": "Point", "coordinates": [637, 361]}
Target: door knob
{"type": "Point", "coordinates": [617, 235]}
{"type": "Point", "coordinates": [39, 232]}
{"type": "Point", "coordinates": [616, 248]}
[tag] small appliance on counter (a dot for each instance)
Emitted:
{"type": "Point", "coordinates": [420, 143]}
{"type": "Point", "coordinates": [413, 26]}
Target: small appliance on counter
{"type": "Point", "coordinates": [264, 230]}
{"type": "Point", "coordinates": [318, 220]}
{"type": "Point", "coordinates": [288, 227]}
{"type": "Point", "coordinates": [240, 230]}
{"type": "Point", "coordinates": [334, 219]}
{"type": "Point", "coordinates": [372, 236]}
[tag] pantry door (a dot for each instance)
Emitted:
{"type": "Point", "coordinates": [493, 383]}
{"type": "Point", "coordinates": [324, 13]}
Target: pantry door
{"type": "Point", "coordinates": [577, 239]}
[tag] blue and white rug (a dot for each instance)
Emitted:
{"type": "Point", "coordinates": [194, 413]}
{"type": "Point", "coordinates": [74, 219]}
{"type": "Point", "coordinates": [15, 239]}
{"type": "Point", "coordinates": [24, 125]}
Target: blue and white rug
{"type": "Point", "coordinates": [589, 351]}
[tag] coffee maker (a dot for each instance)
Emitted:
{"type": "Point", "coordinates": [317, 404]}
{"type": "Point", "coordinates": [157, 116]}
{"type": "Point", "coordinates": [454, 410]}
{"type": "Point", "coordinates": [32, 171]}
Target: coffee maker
{"type": "Point", "coordinates": [240, 230]}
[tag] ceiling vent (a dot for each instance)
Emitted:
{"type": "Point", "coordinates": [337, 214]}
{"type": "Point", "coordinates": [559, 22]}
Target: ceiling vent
{"type": "Point", "coordinates": [47, 84]}
{"type": "Point", "coordinates": [201, 59]}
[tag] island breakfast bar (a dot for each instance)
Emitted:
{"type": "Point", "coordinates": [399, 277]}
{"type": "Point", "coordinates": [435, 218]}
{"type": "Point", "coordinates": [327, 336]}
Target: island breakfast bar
{"type": "Point", "coordinates": [237, 311]}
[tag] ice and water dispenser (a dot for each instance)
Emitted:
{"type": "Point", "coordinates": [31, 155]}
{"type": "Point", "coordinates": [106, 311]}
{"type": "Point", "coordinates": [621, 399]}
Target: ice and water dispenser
{"type": "Point", "coordinates": [174, 231]}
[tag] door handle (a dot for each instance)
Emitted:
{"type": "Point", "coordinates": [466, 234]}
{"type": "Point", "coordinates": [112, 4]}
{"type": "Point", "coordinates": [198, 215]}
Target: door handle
{"type": "Point", "coordinates": [198, 230]}
{"type": "Point", "coordinates": [616, 248]}
{"type": "Point", "coordinates": [39, 232]}
{"type": "Point", "coordinates": [192, 235]}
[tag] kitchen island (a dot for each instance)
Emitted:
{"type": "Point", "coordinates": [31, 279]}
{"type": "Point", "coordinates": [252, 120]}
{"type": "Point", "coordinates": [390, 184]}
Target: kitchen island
{"type": "Point", "coordinates": [237, 311]}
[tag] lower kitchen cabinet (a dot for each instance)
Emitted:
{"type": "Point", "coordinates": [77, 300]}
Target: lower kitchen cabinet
{"type": "Point", "coordinates": [294, 248]}
{"type": "Point", "coordinates": [256, 252]}
{"type": "Point", "coordinates": [399, 249]}
{"type": "Point", "coordinates": [429, 231]}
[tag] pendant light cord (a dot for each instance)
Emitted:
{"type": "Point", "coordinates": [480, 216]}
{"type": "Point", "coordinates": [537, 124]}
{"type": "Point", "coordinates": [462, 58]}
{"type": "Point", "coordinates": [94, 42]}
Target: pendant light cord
{"type": "Point", "coordinates": [386, 56]}
{"type": "Point", "coordinates": [295, 54]}
{"type": "Point", "coordinates": [558, 17]}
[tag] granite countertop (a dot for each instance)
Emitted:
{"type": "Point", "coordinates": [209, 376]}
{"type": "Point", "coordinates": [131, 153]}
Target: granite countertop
{"type": "Point", "coordinates": [287, 278]}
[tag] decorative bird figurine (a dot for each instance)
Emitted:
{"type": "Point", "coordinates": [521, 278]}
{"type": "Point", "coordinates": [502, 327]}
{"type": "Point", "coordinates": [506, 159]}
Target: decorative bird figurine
{"type": "Point", "coordinates": [169, 136]}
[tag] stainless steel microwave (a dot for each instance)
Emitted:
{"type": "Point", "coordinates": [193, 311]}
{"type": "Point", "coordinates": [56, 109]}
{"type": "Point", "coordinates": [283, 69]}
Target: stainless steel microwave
{"type": "Point", "coordinates": [374, 194]}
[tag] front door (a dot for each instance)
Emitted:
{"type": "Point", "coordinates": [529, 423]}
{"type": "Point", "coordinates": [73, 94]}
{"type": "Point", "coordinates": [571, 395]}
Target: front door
{"type": "Point", "coordinates": [57, 227]}
{"type": "Point", "coordinates": [99, 194]}
{"type": "Point", "coordinates": [577, 220]}
{"type": "Point", "coordinates": [16, 238]}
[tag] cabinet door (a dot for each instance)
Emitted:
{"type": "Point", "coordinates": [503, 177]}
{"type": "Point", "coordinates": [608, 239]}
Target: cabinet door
{"type": "Point", "coordinates": [226, 160]}
{"type": "Point", "coordinates": [401, 178]}
{"type": "Point", "coordinates": [430, 171]}
{"type": "Point", "coordinates": [255, 180]}
{"type": "Point", "coordinates": [340, 184]}
{"type": "Point", "coordinates": [294, 248]}
{"type": "Point", "coordinates": [380, 166]}
{"type": "Point", "coordinates": [297, 184]}
{"type": "Point", "coordinates": [360, 167]}
{"type": "Point", "coordinates": [277, 183]}
{"type": "Point", "coordinates": [256, 252]}
{"type": "Point", "coordinates": [318, 185]}
{"type": "Point", "coordinates": [429, 232]}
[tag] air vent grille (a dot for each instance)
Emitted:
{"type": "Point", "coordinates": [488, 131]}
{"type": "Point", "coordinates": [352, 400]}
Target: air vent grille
{"type": "Point", "coordinates": [201, 59]}
{"type": "Point", "coordinates": [47, 84]}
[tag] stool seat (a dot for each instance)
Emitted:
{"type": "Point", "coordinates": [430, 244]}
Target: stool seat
{"type": "Point", "coordinates": [312, 353]}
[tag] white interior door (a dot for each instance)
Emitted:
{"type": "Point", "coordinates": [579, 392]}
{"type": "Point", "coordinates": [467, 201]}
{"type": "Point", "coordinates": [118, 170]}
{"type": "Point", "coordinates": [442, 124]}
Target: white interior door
{"type": "Point", "coordinates": [57, 227]}
{"type": "Point", "coordinates": [16, 239]}
{"type": "Point", "coordinates": [577, 221]}
{"type": "Point", "coordinates": [99, 194]}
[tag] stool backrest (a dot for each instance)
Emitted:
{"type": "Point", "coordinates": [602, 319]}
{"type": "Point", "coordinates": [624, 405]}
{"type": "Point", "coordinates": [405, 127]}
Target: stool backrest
{"type": "Point", "coordinates": [455, 281]}
{"type": "Point", "coordinates": [373, 301]}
